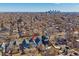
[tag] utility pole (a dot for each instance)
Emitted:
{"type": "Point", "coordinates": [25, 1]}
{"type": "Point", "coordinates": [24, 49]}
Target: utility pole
{"type": "Point", "coordinates": [19, 25]}
{"type": "Point", "coordinates": [11, 26]}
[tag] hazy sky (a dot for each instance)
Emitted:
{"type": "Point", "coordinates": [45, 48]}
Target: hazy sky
{"type": "Point", "coordinates": [38, 7]}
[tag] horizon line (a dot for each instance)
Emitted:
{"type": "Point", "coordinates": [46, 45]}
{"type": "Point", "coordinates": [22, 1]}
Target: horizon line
{"type": "Point", "coordinates": [33, 11]}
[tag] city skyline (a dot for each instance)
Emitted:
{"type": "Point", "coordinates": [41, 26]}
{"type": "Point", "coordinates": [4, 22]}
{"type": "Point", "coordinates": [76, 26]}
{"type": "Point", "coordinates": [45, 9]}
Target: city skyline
{"type": "Point", "coordinates": [38, 7]}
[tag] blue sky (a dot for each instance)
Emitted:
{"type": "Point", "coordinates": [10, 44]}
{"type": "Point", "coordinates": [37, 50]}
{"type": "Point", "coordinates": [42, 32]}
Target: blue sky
{"type": "Point", "coordinates": [38, 7]}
